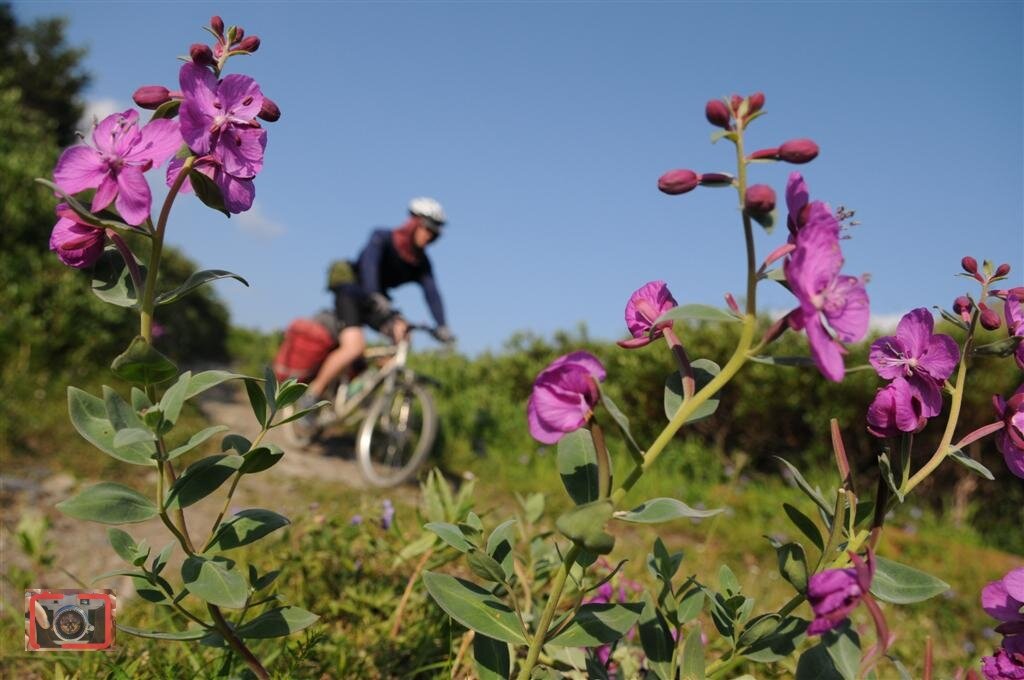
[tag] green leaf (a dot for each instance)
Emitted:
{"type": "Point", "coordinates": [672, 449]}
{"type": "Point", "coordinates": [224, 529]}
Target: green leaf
{"type": "Point", "coordinates": [805, 524]}
{"type": "Point", "coordinates": [195, 440]}
{"type": "Point", "coordinates": [450, 534]}
{"type": "Point", "coordinates": [500, 545]}
{"type": "Point", "coordinates": [200, 479]}
{"type": "Point", "coordinates": [270, 389]}
{"type": "Point", "coordinates": [792, 564]}
{"type": "Point", "coordinates": [474, 607]}
{"type": "Point", "coordinates": [236, 442]}
{"type": "Point", "coordinates": [534, 507]}
{"type": "Point", "coordinates": [207, 191]}
{"type": "Point", "coordinates": [182, 635]}
{"type": "Point", "coordinates": [173, 399]}
{"type": "Point", "coordinates": [491, 658]}
{"type": "Point", "coordinates": [690, 606]}
{"type": "Point", "coordinates": [215, 580]}
{"type": "Point", "coordinates": [160, 561]}
{"type": "Point", "coordinates": [808, 490]}
{"type": "Point", "coordinates": [123, 543]}
{"type": "Point", "coordinates": [779, 644]}
{"type": "Point", "coordinates": [204, 380]}
{"type": "Point", "coordinates": [132, 435]}
{"type": "Point", "coordinates": [299, 414]}
{"type": "Point", "coordinates": [843, 647]}
{"type": "Point", "coordinates": [246, 527]}
{"type": "Point", "coordinates": [952, 318]}
{"type": "Point", "coordinates": [112, 280]}
{"type": "Point", "coordinates": [88, 216]}
{"type": "Point", "coordinates": [264, 581]}
{"type": "Point", "coordinates": [289, 392]}
{"type": "Point", "coordinates": [142, 364]}
{"type": "Point", "coordinates": [485, 566]}
{"type": "Point", "coordinates": [598, 624]}
{"type": "Point", "coordinates": [194, 281]}
{"type": "Point", "coordinates": [815, 664]}
{"type": "Point", "coordinates": [577, 464]}
{"type": "Point", "coordinates": [261, 458]}
{"type": "Point", "coordinates": [900, 584]}
{"type": "Point", "coordinates": [1000, 348]}
{"type": "Point", "coordinates": [90, 419]}
{"type": "Point", "coordinates": [257, 399]}
{"type": "Point", "coordinates": [661, 564]}
{"type": "Point", "coordinates": [584, 525]}
{"type": "Point", "coordinates": [692, 666]}
{"type": "Point", "coordinates": [704, 371]}
{"type": "Point", "coordinates": [109, 503]}
{"type": "Point", "coordinates": [885, 468]}
{"type": "Point", "coordinates": [784, 361]}
{"type": "Point", "coordinates": [169, 109]}
{"type": "Point", "coordinates": [662, 510]}
{"type": "Point", "coordinates": [140, 402]}
{"type": "Point", "coordinates": [971, 464]}
{"type": "Point", "coordinates": [621, 420]}
{"type": "Point", "coordinates": [757, 628]}
{"type": "Point", "coordinates": [655, 638]}
{"type": "Point", "coordinates": [766, 220]}
{"type": "Point", "coordinates": [695, 313]}
{"type": "Point", "coordinates": [278, 623]}
{"type": "Point", "coordinates": [145, 588]}
{"type": "Point", "coordinates": [727, 580]}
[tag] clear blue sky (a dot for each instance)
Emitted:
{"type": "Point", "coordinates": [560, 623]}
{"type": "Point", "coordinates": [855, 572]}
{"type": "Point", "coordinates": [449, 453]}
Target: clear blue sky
{"type": "Point", "coordinates": [543, 127]}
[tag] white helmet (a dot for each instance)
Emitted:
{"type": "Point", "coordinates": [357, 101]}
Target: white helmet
{"type": "Point", "coordinates": [429, 208]}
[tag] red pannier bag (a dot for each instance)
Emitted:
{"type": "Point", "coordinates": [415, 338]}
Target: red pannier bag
{"type": "Point", "coordinates": [306, 344]}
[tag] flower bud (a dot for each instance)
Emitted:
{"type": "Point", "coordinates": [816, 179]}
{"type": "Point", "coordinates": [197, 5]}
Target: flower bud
{"type": "Point", "coordinates": [201, 54]}
{"type": "Point", "coordinates": [798, 151]}
{"type": "Point", "coordinates": [969, 264]}
{"type": "Point", "coordinates": [735, 102]}
{"type": "Point", "coordinates": [755, 102]}
{"type": "Point", "coordinates": [151, 96]}
{"type": "Point", "coordinates": [1003, 269]}
{"type": "Point", "coordinates": [717, 113]}
{"type": "Point", "coordinates": [715, 179]}
{"type": "Point", "coordinates": [676, 182]}
{"type": "Point", "coordinates": [989, 319]}
{"type": "Point", "coordinates": [269, 110]}
{"type": "Point", "coordinates": [759, 199]}
{"type": "Point", "coordinates": [250, 44]}
{"type": "Point", "coordinates": [217, 24]}
{"type": "Point", "coordinates": [239, 33]}
{"type": "Point", "coordinates": [765, 154]}
{"type": "Point", "coordinates": [962, 304]}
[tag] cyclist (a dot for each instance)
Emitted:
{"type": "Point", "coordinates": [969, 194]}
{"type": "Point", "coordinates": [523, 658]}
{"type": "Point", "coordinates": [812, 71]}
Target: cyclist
{"type": "Point", "coordinates": [390, 258]}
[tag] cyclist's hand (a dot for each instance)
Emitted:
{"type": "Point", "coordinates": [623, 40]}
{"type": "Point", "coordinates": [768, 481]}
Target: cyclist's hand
{"type": "Point", "coordinates": [399, 329]}
{"type": "Point", "coordinates": [443, 334]}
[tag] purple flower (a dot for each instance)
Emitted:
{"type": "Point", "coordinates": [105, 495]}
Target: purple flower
{"type": "Point", "coordinates": [564, 395]}
{"type": "Point", "coordinates": [833, 308]}
{"type": "Point", "coordinates": [238, 193]}
{"type": "Point", "coordinates": [914, 353]}
{"type": "Point", "coordinates": [804, 211]}
{"type": "Point", "coordinates": [387, 516]}
{"type": "Point", "coordinates": [1003, 599]}
{"type": "Point", "coordinates": [218, 118]}
{"type": "Point", "coordinates": [645, 305]}
{"type": "Point", "coordinates": [1010, 440]}
{"type": "Point", "coordinates": [76, 243]}
{"type": "Point", "coordinates": [834, 593]}
{"type": "Point", "coordinates": [356, 520]}
{"type": "Point", "coordinates": [896, 409]}
{"type": "Point", "coordinates": [1008, 662]}
{"type": "Point", "coordinates": [114, 167]}
{"type": "Point", "coordinates": [1015, 325]}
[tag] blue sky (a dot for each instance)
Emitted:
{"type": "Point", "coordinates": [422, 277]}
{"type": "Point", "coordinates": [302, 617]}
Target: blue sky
{"type": "Point", "coordinates": [543, 127]}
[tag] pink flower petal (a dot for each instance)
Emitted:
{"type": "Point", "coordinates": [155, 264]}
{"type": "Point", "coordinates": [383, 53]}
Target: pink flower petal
{"type": "Point", "coordinates": [133, 197]}
{"type": "Point", "coordinates": [105, 193]}
{"type": "Point", "coordinates": [238, 193]}
{"type": "Point", "coordinates": [235, 90]}
{"type": "Point", "coordinates": [240, 151]}
{"type": "Point", "coordinates": [915, 330]}
{"type": "Point", "coordinates": [826, 352]}
{"type": "Point", "coordinates": [160, 139]}
{"type": "Point", "coordinates": [998, 603]}
{"type": "Point", "coordinates": [850, 319]}
{"type": "Point", "coordinates": [1014, 582]}
{"type": "Point", "coordinates": [79, 167]}
{"type": "Point", "coordinates": [942, 356]}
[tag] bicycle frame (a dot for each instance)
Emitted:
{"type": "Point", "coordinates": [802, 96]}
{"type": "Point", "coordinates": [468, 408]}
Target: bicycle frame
{"type": "Point", "coordinates": [388, 374]}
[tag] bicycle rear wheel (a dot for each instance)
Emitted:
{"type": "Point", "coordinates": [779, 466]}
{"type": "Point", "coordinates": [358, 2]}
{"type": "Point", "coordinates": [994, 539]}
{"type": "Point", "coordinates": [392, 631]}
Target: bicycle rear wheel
{"type": "Point", "coordinates": [397, 435]}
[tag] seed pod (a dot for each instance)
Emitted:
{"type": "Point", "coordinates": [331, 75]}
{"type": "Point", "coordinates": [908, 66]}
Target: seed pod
{"type": "Point", "coordinates": [676, 182]}
{"type": "Point", "coordinates": [798, 151]}
{"type": "Point", "coordinates": [151, 96]}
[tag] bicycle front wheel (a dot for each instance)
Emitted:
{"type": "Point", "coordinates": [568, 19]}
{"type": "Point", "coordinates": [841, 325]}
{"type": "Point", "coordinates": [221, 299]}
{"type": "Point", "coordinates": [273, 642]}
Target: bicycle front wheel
{"type": "Point", "coordinates": [397, 435]}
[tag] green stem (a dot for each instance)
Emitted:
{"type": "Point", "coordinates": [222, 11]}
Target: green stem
{"type": "Point", "coordinates": [149, 292]}
{"type": "Point", "coordinates": [557, 585]}
{"type": "Point", "coordinates": [236, 644]}
{"type": "Point", "coordinates": [231, 493]}
{"type": "Point", "coordinates": [719, 668]}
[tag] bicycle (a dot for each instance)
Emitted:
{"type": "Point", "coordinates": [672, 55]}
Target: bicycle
{"type": "Point", "coordinates": [398, 420]}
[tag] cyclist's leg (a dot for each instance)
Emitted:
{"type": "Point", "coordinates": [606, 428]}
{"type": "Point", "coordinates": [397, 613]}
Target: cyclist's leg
{"type": "Point", "coordinates": [352, 345]}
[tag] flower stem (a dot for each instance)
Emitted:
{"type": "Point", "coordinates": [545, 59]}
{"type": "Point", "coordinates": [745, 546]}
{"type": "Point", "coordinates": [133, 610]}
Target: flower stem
{"type": "Point", "coordinates": [557, 585]}
{"type": "Point", "coordinates": [236, 643]}
{"type": "Point", "coordinates": [129, 259]}
{"type": "Point", "coordinates": [149, 292]}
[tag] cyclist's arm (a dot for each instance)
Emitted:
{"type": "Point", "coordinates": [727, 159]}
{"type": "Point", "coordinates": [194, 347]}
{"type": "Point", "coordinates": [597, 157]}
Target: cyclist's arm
{"type": "Point", "coordinates": [432, 296]}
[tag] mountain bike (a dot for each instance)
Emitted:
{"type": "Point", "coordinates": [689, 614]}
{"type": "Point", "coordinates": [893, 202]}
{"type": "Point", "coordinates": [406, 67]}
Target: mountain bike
{"type": "Point", "coordinates": [393, 407]}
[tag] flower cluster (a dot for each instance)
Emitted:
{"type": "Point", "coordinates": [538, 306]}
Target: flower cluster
{"type": "Point", "coordinates": [1003, 600]}
{"type": "Point", "coordinates": [918, 362]}
{"type": "Point", "coordinates": [1010, 440]}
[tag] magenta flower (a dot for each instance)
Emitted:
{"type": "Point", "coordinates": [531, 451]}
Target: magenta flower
{"type": "Point", "coordinates": [238, 192]}
{"type": "Point", "coordinates": [76, 243]}
{"type": "Point", "coordinates": [834, 593]}
{"type": "Point", "coordinates": [896, 409]}
{"type": "Point", "coordinates": [1015, 325]}
{"type": "Point", "coordinates": [833, 308]}
{"type": "Point", "coordinates": [218, 118]}
{"type": "Point", "coordinates": [1010, 440]}
{"type": "Point", "coordinates": [115, 166]}
{"type": "Point", "coordinates": [645, 305]}
{"type": "Point", "coordinates": [915, 353]}
{"type": "Point", "coordinates": [1003, 599]}
{"type": "Point", "coordinates": [804, 211]}
{"type": "Point", "coordinates": [1008, 662]}
{"type": "Point", "coordinates": [564, 395]}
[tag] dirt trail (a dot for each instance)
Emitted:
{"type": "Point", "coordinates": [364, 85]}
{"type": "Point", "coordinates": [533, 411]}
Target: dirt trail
{"type": "Point", "coordinates": [82, 547]}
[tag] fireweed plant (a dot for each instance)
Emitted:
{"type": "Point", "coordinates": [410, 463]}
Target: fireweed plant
{"type": "Point", "coordinates": [539, 617]}
{"type": "Point", "coordinates": [209, 134]}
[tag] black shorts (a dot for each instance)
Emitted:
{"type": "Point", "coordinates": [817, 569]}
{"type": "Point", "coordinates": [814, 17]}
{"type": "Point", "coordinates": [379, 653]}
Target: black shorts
{"type": "Point", "coordinates": [353, 307]}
